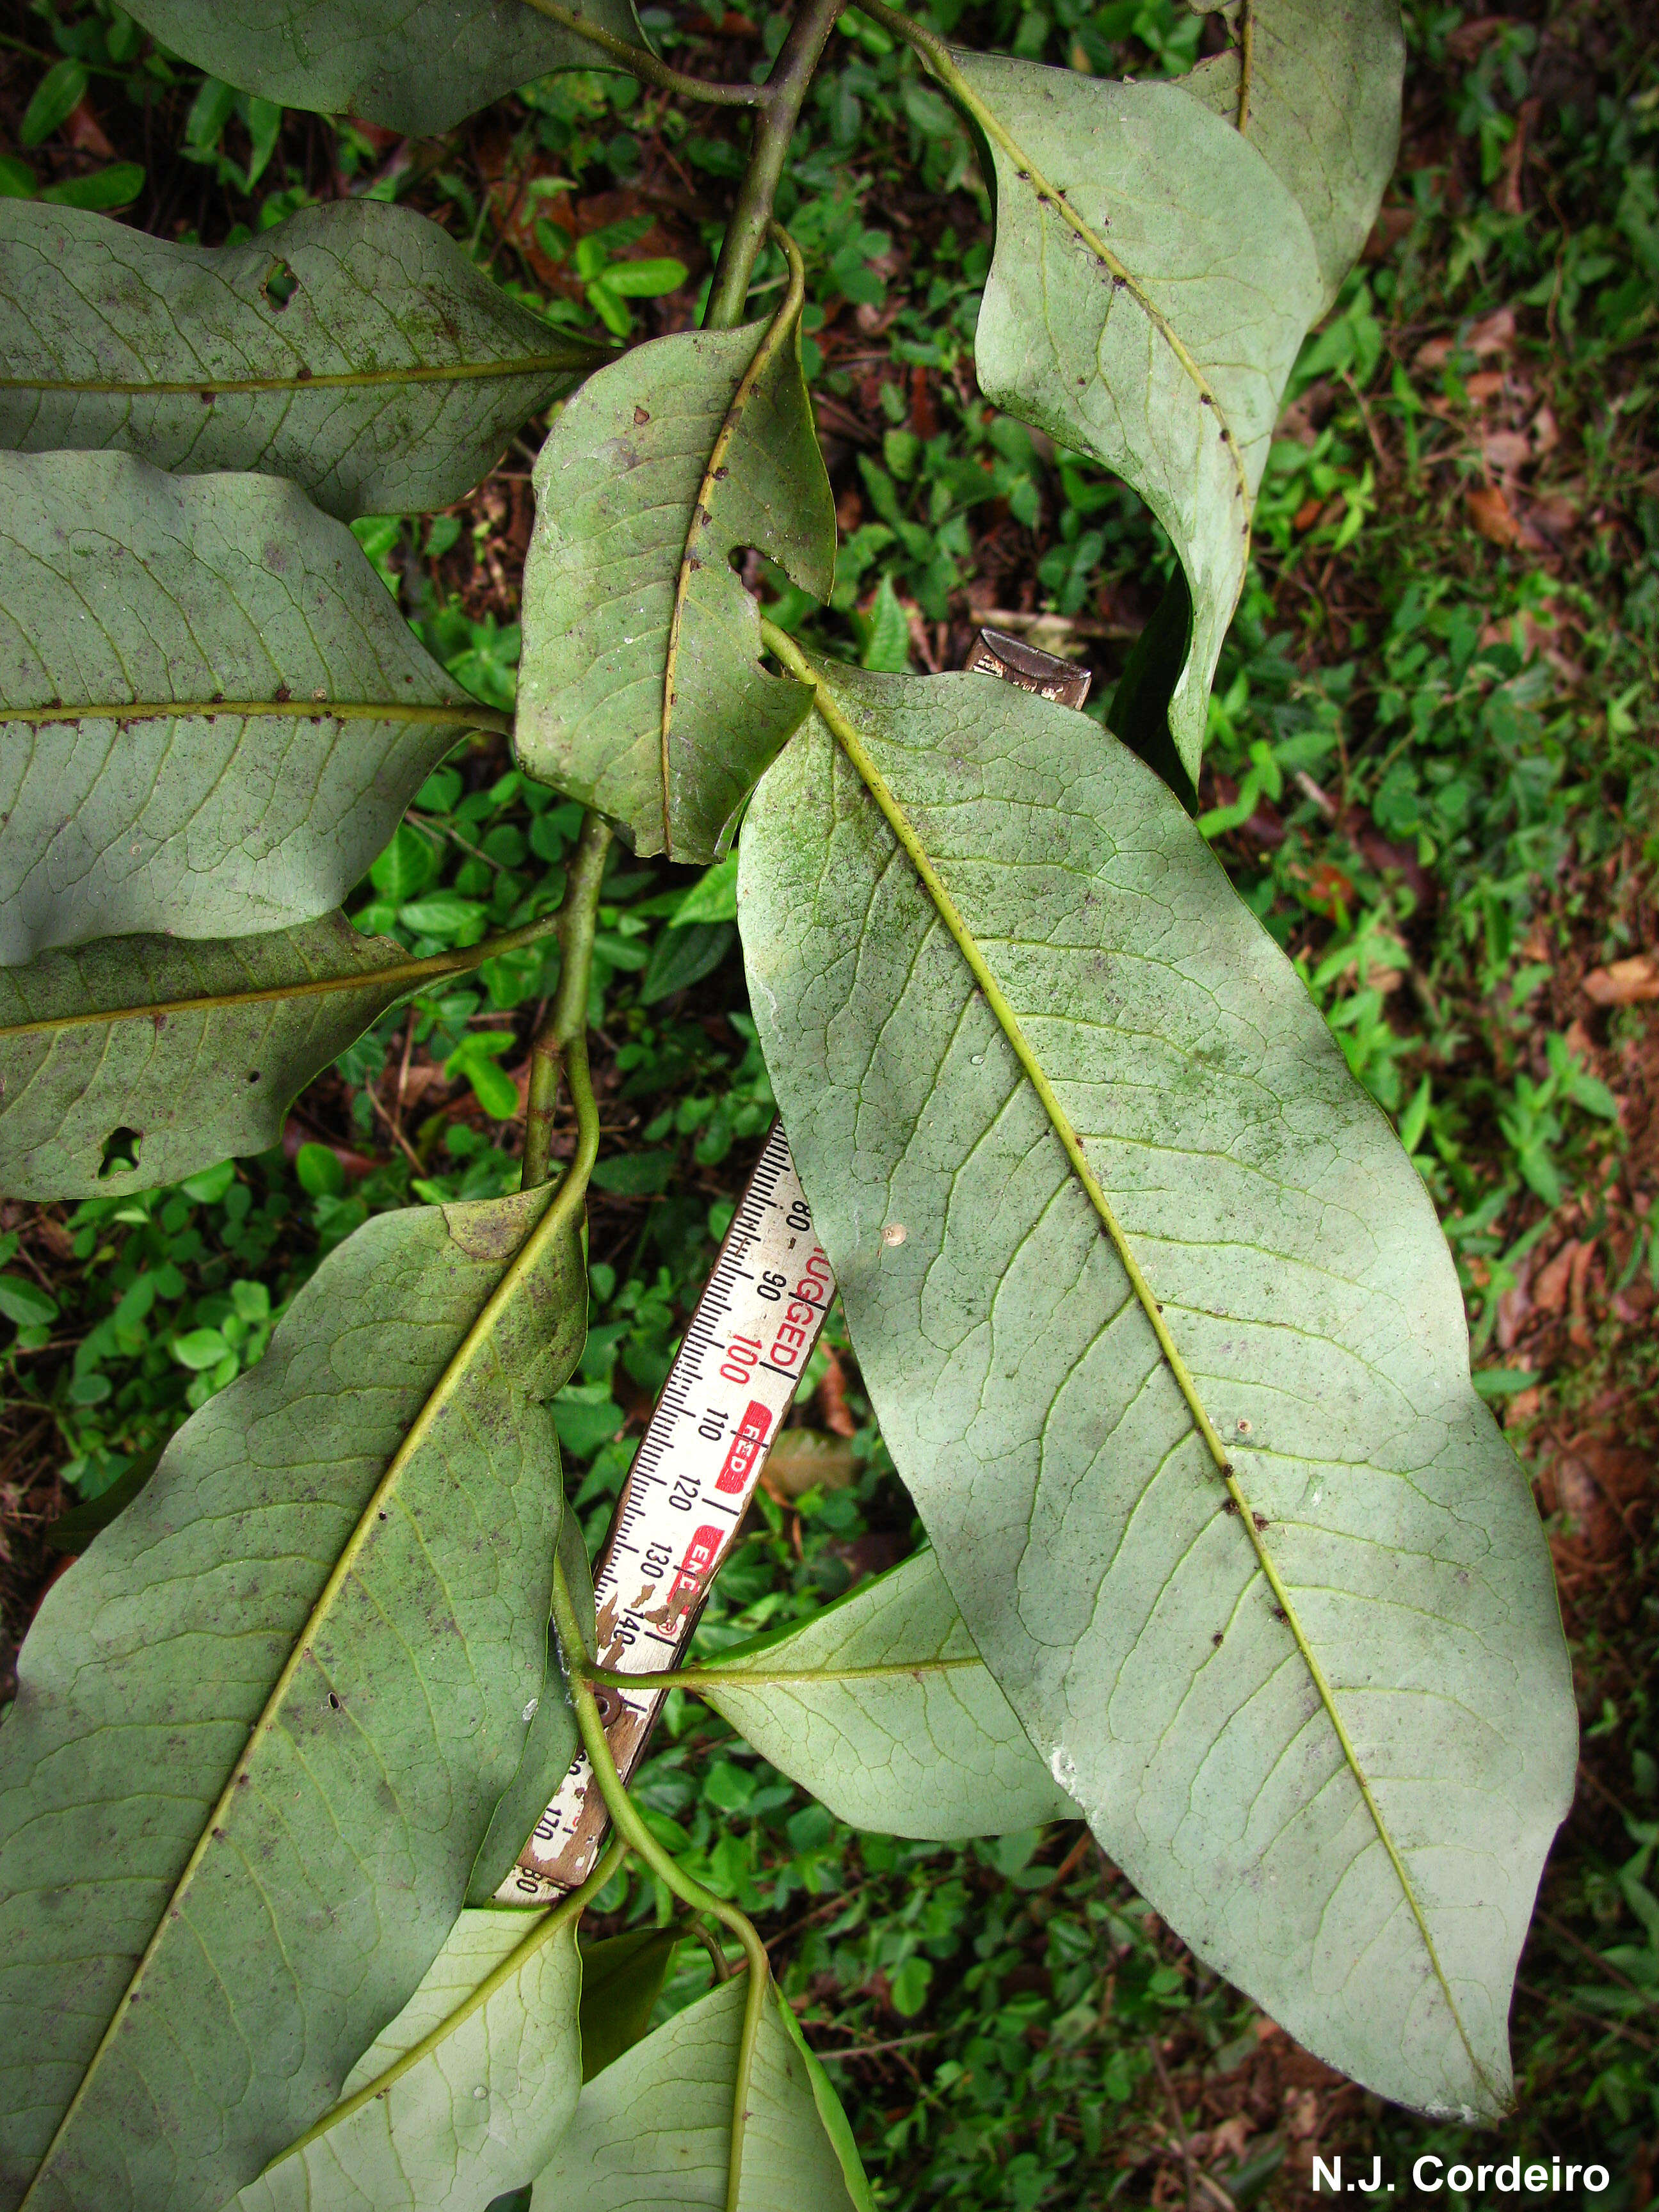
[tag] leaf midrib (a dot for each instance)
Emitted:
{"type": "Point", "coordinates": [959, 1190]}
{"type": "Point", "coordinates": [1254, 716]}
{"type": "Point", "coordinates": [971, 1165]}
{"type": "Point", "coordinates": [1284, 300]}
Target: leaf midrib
{"type": "Point", "coordinates": [555, 1218]}
{"type": "Point", "coordinates": [707, 498]}
{"type": "Point", "coordinates": [841, 728]}
{"type": "Point", "coordinates": [459, 371]}
{"type": "Point", "coordinates": [402, 973]}
{"type": "Point", "coordinates": [462, 713]}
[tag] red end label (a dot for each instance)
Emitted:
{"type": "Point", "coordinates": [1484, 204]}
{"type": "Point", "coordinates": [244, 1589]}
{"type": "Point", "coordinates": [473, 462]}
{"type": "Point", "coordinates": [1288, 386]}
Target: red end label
{"type": "Point", "coordinates": [694, 1569]}
{"type": "Point", "coordinates": [733, 1477]}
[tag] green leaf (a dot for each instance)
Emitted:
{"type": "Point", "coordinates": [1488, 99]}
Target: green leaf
{"type": "Point", "coordinates": [1151, 316]}
{"type": "Point", "coordinates": [1106, 1211]}
{"type": "Point", "coordinates": [712, 897]}
{"type": "Point", "coordinates": [408, 864]}
{"type": "Point", "coordinates": [635, 1175]}
{"type": "Point", "coordinates": [681, 957]}
{"type": "Point", "coordinates": [475, 1058]}
{"type": "Point", "coordinates": [205, 1347]}
{"type": "Point", "coordinates": [17, 179]}
{"type": "Point", "coordinates": [196, 1051]}
{"type": "Point", "coordinates": [881, 1706]}
{"type": "Point", "coordinates": [419, 69]}
{"type": "Point", "coordinates": [621, 1980]}
{"type": "Point", "coordinates": [25, 1303]}
{"type": "Point", "coordinates": [652, 2131]}
{"type": "Point", "coordinates": [1322, 108]}
{"type": "Point", "coordinates": [354, 349]}
{"type": "Point", "coordinates": [641, 690]}
{"type": "Point", "coordinates": [645, 280]}
{"type": "Point", "coordinates": [213, 712]}
{"type": "Point", "coordinates": [466, 2092]}
{"type": "Point", "coordinates": [443, 915]}
{"type": "Point", "coordinates": [116, 187]}
{"type": "Point", "coordinates": [59, 92]}
{"type": "Point", "coordinates": [887, 628]}
{"type": "Point", "coordinates": [262, 1723]}
{"type": "Point", "coordinates": [318, 1171]}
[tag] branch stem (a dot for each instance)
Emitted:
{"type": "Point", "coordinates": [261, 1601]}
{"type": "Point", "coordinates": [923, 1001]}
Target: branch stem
{"type": "Point", "coordinates": [630, 1825]}
{"type": "Point", "coordinates": [642, 62]}
{"type": "Point", "coordinates": [561, 1043]}
{"type": "Point", "coordinates": [775, 126]}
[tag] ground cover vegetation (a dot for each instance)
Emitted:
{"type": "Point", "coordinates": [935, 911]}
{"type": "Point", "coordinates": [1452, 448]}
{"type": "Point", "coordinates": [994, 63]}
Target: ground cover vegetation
{"type": "Point", "coordinates": [1429, 770]}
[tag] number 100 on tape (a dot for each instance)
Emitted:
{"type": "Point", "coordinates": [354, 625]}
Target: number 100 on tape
{"type": "Point", "coordinates": [732, 1382]}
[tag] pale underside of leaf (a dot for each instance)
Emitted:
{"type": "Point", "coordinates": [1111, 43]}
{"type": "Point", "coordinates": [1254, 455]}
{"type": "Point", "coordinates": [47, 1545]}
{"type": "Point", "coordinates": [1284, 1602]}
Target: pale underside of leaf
{"type": "Point", "coordinates": [1151, 283]}
{"type": "Point", "coordinates": [212, 713]}
{"type": "Point", "coordinates": [883, 1708]}
{"type": "Point", "coordinates": [651, 2132]}
{"type": "Point", "coordinates": [1345, 1808]}
{"type": "Point", "coordinates": [190, 1086]}
{"type": "Point", "coordinates": [418, 65]}
{"type": "Point", "coordinates": [194, 1049]}
{"type": "Point", "coordinates": [384, 379]}
{"type": "Point", "coordinates": [465, 2095]}
{"type": "Point", "coordinates": [1322, 104]}
{"type": "Point", "coordinates": [262, 1723]}
{"type": "Point", "coordinates": [642, 680]}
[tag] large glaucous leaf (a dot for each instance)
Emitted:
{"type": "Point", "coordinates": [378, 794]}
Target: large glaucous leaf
{"type": "Point", "coordinates": [418, 65]}
{"type": "Point", "coordinates": [354, 349]}
{"type": "Point", "coordinates": [261, 1723]}
{"type": "Point", "coordinates": [881, 1706]}
{"type": "Point", "coordinates": [87, 1050]}
{"type": "Point", "coordinates": [641, 690]}
{"type": "Point", "coordinates": [1319, 1707]}
{"type": "Point", "coordinates": [550, 1745]}
{"type": "Point", "coordinates": [465, 2095]}
{"type": "Point", "coordinates": [1322, 105]}
{"type": "Point", "coordinates": [212, 713]}
{"type": "Point", "coordinates": [1153, 278]}
{"type": "Point", "coordinates": [652, 2131]}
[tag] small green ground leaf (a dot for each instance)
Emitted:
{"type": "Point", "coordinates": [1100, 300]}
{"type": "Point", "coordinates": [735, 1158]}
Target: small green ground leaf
{"type": "Point", "coordinates": [1152, 281]}
{"type": "Point", "coordinates": [212, 712]}
{"type": "Point", "coordinates": [194, 1085]}
{"type": "Point", "coordinates": [383, 376]}
{"type": "Point", "coordinates": [641, 690]}
{"type": "Point", "coordinates": [881, 1707]}
{"type": "Point", "coordinates": [261, 1723]}
{"type": "Point", "coordinates": [465, 2093]}
{"type": "Point", "coordinates": [651, 2131]}
{"type": "Point", "coordinates": [1105, 1208]}
{"type": "Point", "coordinates": [1322, 107]}
{"type": "Point", "coordinates": [417, 67]}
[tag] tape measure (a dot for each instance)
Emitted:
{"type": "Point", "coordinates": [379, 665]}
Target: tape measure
{"type": "Point", "coordinates": [732, 1384]}
{"type": "Point", "coordinates": [731, 1387]}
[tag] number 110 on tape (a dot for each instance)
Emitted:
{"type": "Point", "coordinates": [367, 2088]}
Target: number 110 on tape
{"type": "Point", "coordinates": [732, 1384]}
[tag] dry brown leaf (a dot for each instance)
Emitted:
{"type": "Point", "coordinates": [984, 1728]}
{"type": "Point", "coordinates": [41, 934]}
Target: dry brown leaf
{"type": "Point", "coordinates": [1626, 982]}
{"type": "Point", "coordinates": [1549, 1285]}
{"type": "Point", "coordinates": [1489, 512]}
{"type": "Point", "coordinates": [1486, 383]}
{"type": "Point", "coordinates": [1505, 449]}
{"type": "Point", "coordinates": [1493, 334]}
{"type": "Point", "coordinates": [806, 1458]}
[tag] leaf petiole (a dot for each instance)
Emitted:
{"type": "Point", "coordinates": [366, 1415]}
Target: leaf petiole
{"type": "Point", "coordinates": [642, 62]}
{"type": "Point", "coordinates": [631, 1826]}
{"type": "Point", "coordinates": [561, 1041]}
